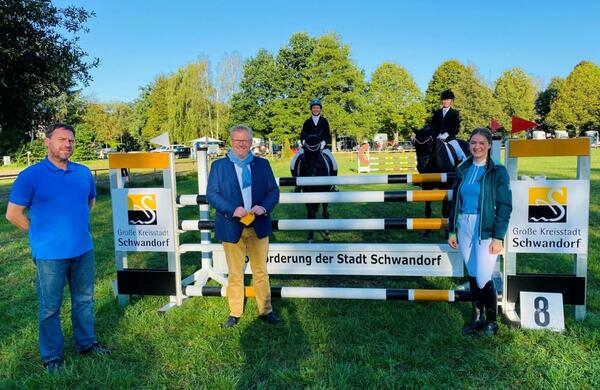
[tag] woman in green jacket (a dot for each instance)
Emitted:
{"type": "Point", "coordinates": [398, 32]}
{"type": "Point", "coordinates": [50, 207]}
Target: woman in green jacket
{"type": "Point", "coordinates": [481, 207]}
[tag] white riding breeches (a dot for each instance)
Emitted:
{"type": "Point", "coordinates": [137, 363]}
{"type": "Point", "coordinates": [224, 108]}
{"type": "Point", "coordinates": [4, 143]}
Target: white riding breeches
{"type": "Point", "coordinates": [457, 149]}
{"type": "Point", "coordinates": [479, 261]}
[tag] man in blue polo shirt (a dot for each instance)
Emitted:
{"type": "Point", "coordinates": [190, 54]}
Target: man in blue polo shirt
{"type": "Point", "coordinates": [59, 195]}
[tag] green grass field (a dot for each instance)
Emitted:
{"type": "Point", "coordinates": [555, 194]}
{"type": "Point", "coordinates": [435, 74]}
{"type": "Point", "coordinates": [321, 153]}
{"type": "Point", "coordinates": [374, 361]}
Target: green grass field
{"type": "Point", "coordinates": [323, 344]}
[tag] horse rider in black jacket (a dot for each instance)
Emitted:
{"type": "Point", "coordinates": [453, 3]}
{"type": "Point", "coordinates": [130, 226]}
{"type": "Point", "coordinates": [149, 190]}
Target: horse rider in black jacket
{"type": "Point", "coordinates": [445, 124]}
{"type": "Point", "coordinates": [317, 126]}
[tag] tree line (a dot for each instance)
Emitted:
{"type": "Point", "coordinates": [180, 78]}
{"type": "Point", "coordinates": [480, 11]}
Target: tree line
{"type": "Point", "coordinates": [269, 92]}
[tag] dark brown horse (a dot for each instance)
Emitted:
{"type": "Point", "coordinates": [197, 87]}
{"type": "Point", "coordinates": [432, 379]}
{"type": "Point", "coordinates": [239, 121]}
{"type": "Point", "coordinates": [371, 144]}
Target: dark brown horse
{"type": "Point", "coordinates": [432, 157]}
{"type": "Point", "coordinates": [313, 163]}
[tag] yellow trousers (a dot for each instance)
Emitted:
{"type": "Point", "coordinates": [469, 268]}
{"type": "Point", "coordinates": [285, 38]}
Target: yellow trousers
{"type": "Point", "coordinates": [257, 250]}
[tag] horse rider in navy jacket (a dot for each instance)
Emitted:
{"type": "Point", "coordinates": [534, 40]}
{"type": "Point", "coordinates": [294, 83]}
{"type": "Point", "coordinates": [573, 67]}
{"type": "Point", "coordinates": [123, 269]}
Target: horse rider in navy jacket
{"type": "Point", "coordinates": [445, 124]}
{"type": "Point", "coordinates": [317, 126]}
{"type": "Point", "coordinates": [243, 191]}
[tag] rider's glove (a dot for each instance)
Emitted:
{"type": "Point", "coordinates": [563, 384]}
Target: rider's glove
{"type": "Point", "coordinates": [443, 136]}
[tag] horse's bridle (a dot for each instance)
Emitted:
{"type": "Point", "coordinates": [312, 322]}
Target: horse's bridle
{"type": "Point", "coordinates": [313, 148]}
{"type": "Point", "coordinates": [430, 155]}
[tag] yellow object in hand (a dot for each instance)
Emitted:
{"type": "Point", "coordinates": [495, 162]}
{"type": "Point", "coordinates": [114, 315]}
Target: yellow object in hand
{"type": "Point", "coordinates": [247, 219]}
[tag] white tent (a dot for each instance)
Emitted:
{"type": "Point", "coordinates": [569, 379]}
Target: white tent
{"type": "Point", "coordinates": [212, 144]}
{"type": "Point", "coordinates": [206, 140]}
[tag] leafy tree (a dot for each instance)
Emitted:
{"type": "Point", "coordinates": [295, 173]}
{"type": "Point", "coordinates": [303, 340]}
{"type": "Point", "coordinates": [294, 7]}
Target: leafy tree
{"type": "Point", "coordinates": [139, 118]}
{"type": "Point", "coordinates": [275, 91]}
{"type": "Point", "coordinates": [189, 106]}
{"type": "Point", "coordinates": [39, 59]}
{"type": "Point", "coordinates": [516, 93]}
{"type": "Point", "coordinates": [31, 152]}
{"type": "Point", "coordinates": [545, 99]}
{"type": "Point", "coordinates": [397, 103]}
{"type": "Point", "coordinates": [577, 105]}
{"type": "Point", "coordinates": [252, 105]}
{"type": "Point", "coordinates": [86, 147]}
{"type": "Point", "coordinates": [229, 73]}
{"type": "Point", "coordinates": [290, 109]}
{"type": "Point", "coordinates": [333, 77]}
{"type": "Point", "coordinates": [118, 116]}
{"type": "Point", "coordinates": [473, 98]}
{"type": "Point", "coordinates": [286, 150]}
{"type": "Point", "coordinates": [68, 107]}
{"type": "Point", "coordinates": [156, 122]}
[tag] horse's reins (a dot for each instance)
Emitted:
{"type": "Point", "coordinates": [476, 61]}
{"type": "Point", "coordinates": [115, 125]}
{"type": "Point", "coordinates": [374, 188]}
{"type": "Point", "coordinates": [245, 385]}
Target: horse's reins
{"type": "Point", "coordinates": [428, 139]}
{"type": "Point", "coordinates": [313, 148]}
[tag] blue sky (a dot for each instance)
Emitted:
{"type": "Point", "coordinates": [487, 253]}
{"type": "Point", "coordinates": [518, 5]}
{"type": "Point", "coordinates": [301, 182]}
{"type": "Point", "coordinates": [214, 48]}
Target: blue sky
{"type": "Point", "coordinates": [138, 40]}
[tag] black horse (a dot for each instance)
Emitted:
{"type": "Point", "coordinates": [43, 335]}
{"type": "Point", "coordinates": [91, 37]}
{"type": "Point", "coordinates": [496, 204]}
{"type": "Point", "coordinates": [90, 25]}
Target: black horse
{"type": "Point", "coordinates": [432, 157]}
{"type": "Point", "coordinates": [314, 163]}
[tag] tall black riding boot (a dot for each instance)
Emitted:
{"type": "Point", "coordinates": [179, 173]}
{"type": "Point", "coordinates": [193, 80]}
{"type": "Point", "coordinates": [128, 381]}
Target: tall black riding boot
{"type": "Point", "coordinates": [477, 317]}
{"type": "Point", "coordinates": [490, 302]}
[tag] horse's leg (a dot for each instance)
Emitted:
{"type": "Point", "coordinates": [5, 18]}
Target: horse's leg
{"type": "Point", "coordinates": [326, 216]}
{"type": "Point", "coordinates": [311, 213]}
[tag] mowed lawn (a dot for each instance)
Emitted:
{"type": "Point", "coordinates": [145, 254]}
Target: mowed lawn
{"type": "Point", "coordinates": [322, 344]}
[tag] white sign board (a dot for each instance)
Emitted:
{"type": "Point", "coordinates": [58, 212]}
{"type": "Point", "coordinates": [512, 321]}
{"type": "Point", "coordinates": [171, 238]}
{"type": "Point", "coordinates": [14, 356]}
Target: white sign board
{"type": "Point", "coordinates": [358, 259]}
{"type": "Point", "coordinates": [549, 216]}
{"type": "Point", "coordinates": [143, 220]}
{"type": "Point", "coordinates": [541, 310]}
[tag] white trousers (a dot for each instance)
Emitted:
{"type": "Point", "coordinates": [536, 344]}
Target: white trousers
{"type": "Point", "coordinates": [479, 261]}
{"type": "Point", "coordinates": [457, 149]}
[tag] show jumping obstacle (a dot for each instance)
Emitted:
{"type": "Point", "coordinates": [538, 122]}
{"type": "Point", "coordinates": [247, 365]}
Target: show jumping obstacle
{"type": "Point", "coordinates": [385, 161]}
{"type": "Point", "coordinates": [387, 259]}
{"type": "Point", "coordinates": [370, 259]}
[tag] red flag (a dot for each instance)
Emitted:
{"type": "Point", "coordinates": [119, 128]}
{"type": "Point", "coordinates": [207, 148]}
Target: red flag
{"type": "Point", "coordinates": [494, 125]}
{"type": "Point", "coordinates": [520, 124]}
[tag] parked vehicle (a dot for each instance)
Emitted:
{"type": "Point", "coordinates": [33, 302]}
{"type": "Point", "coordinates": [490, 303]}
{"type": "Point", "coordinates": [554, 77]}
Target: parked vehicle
{"type": "Point", "coordinates": [103, 153]}
{"type": "Point", "coordinates": [538, 134]}
{"type": "Point", "coordinates": [561, 134]}
{"type": "Point", "coordinates": [213, 146]}
{"type": "Point", "coordinates": [404, 145]}
{"type": "Point", "coordinates": [162, 148]}
{"type": "Point", "coordinates": [180, 151]}
{"type": "Point", "coordinates": [595, 139]}
{"type": "Point", "coordinates": [259, 148]}
{"type": "Point", "coordinates": [380, 141]}
{"type": "Point", "coordinates": [345, 143]}
{"type": "Point", "coordinates": [276, 149]}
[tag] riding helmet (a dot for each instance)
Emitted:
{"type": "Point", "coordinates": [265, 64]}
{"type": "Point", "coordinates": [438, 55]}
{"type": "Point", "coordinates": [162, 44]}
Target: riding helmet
{"type": "Point", "coordinates": [447, 94]}
{"type": "Point", "coordinates": [315, 102]}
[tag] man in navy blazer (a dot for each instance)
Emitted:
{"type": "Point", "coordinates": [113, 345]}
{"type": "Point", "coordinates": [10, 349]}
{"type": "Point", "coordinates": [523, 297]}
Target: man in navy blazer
{"type": "Point", "coordinates": [243, 191]}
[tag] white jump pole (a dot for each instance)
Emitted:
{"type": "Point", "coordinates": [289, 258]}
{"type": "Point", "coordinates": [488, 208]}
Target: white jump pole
{"type": "Point", "coordinates": [342, 197]}
{"type": "Point", "coordinates": [369, 179]}
{"type": "Point", "coordinates": [343, 293]}
{"type": "Point", "coordinates": [338, 224]}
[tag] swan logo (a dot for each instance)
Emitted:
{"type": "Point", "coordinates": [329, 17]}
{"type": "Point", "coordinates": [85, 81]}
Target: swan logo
{"type": "Point", "coordinates": [141, 209]}
{"type": "Point", "coordinates": [547, 204]}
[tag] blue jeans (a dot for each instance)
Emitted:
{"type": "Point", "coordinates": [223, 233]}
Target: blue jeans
{"type": "Point", "coordinates": [50, 282]}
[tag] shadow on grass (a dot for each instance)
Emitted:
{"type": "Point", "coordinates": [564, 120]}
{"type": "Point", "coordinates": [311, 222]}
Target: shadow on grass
{"type": "Point", "coordinates": [273, 354]}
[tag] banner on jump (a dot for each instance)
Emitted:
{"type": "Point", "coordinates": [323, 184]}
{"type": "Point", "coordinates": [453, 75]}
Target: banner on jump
{"type": "Point", "coordinates": [358, 259]}
{"type": "Point", "coordinates": [143, 220]}
{"type": "Point", "coordinates": [549, 216]}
